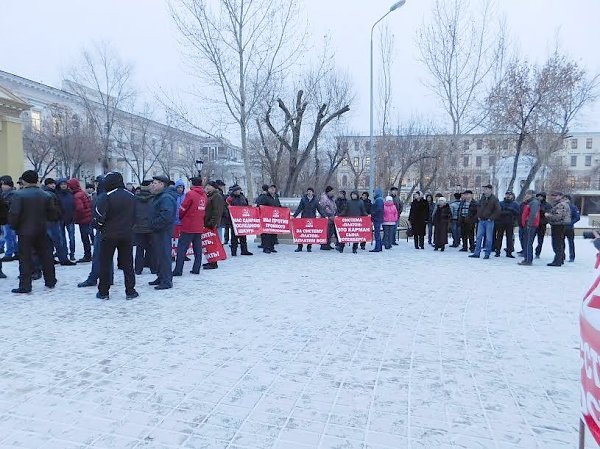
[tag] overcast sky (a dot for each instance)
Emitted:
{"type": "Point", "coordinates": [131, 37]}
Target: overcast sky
{"type": "Point", "coordinates": [39, 39]}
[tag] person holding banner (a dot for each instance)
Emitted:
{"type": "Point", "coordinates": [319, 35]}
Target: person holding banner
{"type": "Point", "coordinates": [328, 209]}
{"type": "Point", "coordinates": [237, 198]}
{"type": "Point", "coordinates": [355, 207]}
{"type": "Point", "coordinates": [267, 198]}
{"type": "Point", "coordinates": [191, 216]}
{"type": "Point", "coordinates": [307, 208]}
{"type": "Point", "coordinates": [213, 214]}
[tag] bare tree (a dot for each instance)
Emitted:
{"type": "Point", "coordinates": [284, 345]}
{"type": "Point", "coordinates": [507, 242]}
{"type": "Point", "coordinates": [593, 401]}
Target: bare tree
{"type": "Point", "coordinates": [386, 52]}
{"type": "Point", "coordinates": [39, 149]}
{"type": "Point", "coordinates": [463, 54]}
{"type": "Point", "coordinates": [102, 83]}
{"type": "Point", "coordinates": [239, 48]}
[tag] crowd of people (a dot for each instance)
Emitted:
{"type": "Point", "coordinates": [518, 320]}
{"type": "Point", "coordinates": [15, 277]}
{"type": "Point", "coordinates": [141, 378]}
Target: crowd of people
{"type": "Point", "coordinates": [38, 225]}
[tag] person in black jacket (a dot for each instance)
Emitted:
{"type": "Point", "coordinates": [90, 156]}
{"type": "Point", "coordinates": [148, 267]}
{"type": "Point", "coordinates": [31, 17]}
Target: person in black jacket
{"type": "Point", "coordinates": [29, 213]}
{"type": "Point", "coordinates": [67, 206]}
{"type": "Point", "coordinates": [213, 214]}
{"type": "Point", "coordinates": [341, 202]}
{"type": "Point", "coordinates": [268, 199]}
{"type": "Point", "coordinates": [367, 202]}
{"type": "Point", "coordinates": [467, 218]}
{"type": "Point", "coordinates": [418, 216]}
{"type": "Point", "coordinates": [354, 207]}
{"type": "Point", "coordinates": [441, 224]}
{"type": "Point", "coordinates": [308, 207]}
{"type": "Point", "coordinates": [162, 222]}
{"type": "Point", "coordinates": [545, 207]}
{"type": "Point", "coordinates": [505, 224]}
{"type": "Point", "coordinates": [144, 256]}
{"type": "Point", "coordinates": [114, 216]}
{"type": "Point", "coordinates": [237, 198]}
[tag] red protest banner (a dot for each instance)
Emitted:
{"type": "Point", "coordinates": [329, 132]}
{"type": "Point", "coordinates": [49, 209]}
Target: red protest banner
{"type": "Point", "coordinates": [590, 376]}
{"type": "Point", "coordinates": [175, 240]}
{"type": "Point", "coordinates": [353, 229]}
{"type": "Point", "coordinates": [275, 220]}
{"type": "Point", "coordinates": [212, 248]}
{"type": "Point", "coordinates": [246, 220]}
{"type": "Point", "coordinates": [311, 231]}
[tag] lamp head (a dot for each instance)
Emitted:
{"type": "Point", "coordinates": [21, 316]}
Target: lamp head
{"type": "Point", "coordinates": [397, 5]}
{"type": "Point", "coordinates": [199, 164]}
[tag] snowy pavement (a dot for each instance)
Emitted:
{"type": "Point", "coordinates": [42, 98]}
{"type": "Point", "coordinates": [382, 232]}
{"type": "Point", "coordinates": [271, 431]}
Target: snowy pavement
{"type": "Point", "coordinates": [403, 349]}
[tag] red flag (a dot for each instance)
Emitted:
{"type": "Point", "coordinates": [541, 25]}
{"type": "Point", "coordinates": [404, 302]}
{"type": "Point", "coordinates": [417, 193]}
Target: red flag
{"type": "Point", "coordinates": [212, 248]}
{"type": "Point", "coordinates": [353, 229]}
{"type": "Point", "coordinates": [311, 231]}
{"type": "Point", "coordinates": [246, 220]}
{"type": "Point", "coordinates": [275, 220]}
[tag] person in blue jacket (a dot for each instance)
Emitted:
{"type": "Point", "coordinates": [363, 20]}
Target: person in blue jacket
{"type": "Point", "coordinates": [180, 190]}
{"type": "Point", "coordinates": [377, 217]}
{"type": "Point", "coordinates": [570, 229]}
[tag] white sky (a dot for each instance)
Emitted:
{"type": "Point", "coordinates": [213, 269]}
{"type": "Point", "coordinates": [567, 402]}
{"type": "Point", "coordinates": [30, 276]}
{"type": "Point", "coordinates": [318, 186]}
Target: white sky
{"type": "Point", "coordinates": [39, 39]}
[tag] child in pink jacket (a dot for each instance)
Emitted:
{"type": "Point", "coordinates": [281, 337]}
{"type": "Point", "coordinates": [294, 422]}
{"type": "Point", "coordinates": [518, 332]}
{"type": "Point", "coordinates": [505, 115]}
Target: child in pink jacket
{"type": "Point", "coordinates": [390, 218]}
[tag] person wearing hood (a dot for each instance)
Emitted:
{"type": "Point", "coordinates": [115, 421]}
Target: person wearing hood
{"type": "Point", "coordinates": [180, 189]}
{"type": "Point", "coordinates": [307, 208]}
{"type": "Point", "coordinates": [390, 221]}
{"type": "Point", "coordinates": [377, 218]}
{"type": "Point", "coordinates": [354, 207]}
{"type": "Point", "coordinates": [267, 198]}
{"type": "Point", "coordinates": [67, 206]}
{"type": "Point", "coordinates": [237, 198]}
{"type": "Point", "coordinates": [162, 223]}
{"type": "Point", "coordinates": [505, 223]}
{"type": "Point", "coordinates": [144, 256]}
{"type": "Point", "coordinates": [82, 217]}
{"type": "Point", "coordinates": [441, 224]}
{"type": "Point", "coordinates": [114, 216]}
{"type": "Point", "coordinates": [394, 193]}
{"type": "Point", "coordinates": [328, 209]}
{"type": "Point", "coordinates": [419, 213]}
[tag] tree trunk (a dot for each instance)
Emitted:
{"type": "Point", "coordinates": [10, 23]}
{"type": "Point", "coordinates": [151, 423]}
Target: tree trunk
{"type": "Point", "coordinates": [530, 177]}
{"type": "Point", "coordinates": [516, 161]}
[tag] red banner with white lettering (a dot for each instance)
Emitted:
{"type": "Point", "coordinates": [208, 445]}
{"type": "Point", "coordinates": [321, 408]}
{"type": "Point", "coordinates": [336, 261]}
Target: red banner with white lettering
{"type": "Point", "coordinates": [175, 241]}
{"type": "Point", "coordinates": [310, 231]}
{"type": "Point", "coordinates": [353, 229]}
{"type": "Point", "coordinates": [275, 220]}
{"type": "Point", "coordinates": [246, 220]}
{"type": "Point", "coordinates": [212, 248]}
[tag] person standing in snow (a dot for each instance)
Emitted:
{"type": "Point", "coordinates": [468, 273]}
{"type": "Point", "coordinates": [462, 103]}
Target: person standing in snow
{"type": "Point", "coordinates": [419, 211]}
{"type": "Point", "coordinates": [307, 208]}
{"type": "Point", "coordinates": [441, 223]}
{"type": "Point", "coordinates": [354, 207]}
{"type": "Point", "coordinates": [162, 222]}
{"type": "Point", "coordinates": [390, 220]}
{"type": "Point", "coordinates": [329, 210]}
{"type": "Point", "coordinates": [377, 218]}
{"type": "Point", "coordinates": [570, 228]}
{"type": "Point", "coordinates": [237, 198]}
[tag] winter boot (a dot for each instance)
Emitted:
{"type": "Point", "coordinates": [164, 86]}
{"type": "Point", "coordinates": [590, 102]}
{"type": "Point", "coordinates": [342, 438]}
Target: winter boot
{"type": "Point", "coordinates": [233, 251]}
{"type": "Point", "coordinates": [299, 249]}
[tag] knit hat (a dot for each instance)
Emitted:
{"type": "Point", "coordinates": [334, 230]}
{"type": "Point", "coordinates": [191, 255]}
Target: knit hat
{"type": "Point", "coordinates": [389, 198]}
{"type": "Point", "coordinates": [328, 189]}
{"type": "Point", "coordinates": [30, 177]}
{"type": "Point", "coordinates": [49, 181]}
{"type": "Point", "coordinates": [441, 199]}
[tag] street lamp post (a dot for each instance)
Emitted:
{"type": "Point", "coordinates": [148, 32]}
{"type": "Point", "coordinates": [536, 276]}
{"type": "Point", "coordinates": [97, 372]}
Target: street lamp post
{"type": "Point", "coordinates": [199, 165]}
{"type": "Point", "coordinates": [373, 160]}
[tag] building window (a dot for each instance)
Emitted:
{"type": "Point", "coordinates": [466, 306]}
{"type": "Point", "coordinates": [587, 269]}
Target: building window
{"type": "Point", "coordinates": [492, 160]}
{"type": "Point", "coordinates": [344, 162]}
{"type": "Point", "coordinates": [573, 144]}
{"type": "Point", "coordinates": [588, 160]}
{"type": "Point", "coordinates": [36, 120]}
{"type": "Point", "coordinates": [367, 160]}
{"type": "Point", "coordinates": [466, 145]}
{"type": "Point", "coordinates": [478, 161]}
{"type": "Point", "coordinates": [356, 161]}
{"type": "Point", "coordinates": [465, 161]}
{"type": "Point", "coordinates": [492, 144]}
{"type": "Point", "coordinates": [480, 144]}
{"type": "Point", "coordinates": [573, 161]}
{"type": "Point", "coordinates": [477, 181]}
{"type": "Point", "coordinates": [588, 143]}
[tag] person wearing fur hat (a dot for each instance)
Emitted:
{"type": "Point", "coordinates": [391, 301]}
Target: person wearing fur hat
{"type": "Point", "coordinates": [441, 224]}
{"type": "Point", "coordinates": [390, 218]}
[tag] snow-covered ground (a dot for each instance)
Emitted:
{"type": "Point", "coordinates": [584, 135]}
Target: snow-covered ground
{"type": "Point", "coordinates": [403, 349]}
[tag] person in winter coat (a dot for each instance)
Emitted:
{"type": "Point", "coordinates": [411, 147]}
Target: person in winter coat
{"type": "Point", "coordinates": [82, 217]}
{"type": "Point", "coordinates": [67, 206]}
{"type": "Point", "coordinates": [541, 231]}
{"type": "Point", "coordinates": [505, 224]}
{"type": "Point", "coordinates": [441, 224]}
{"type": "Point", "coordinates": [29, 212]}
{"type": "Point", "coordinates": [162, 222]}
{"type": "Point", "coordinates": [10, 237]}
{"type": "Point", "coordinates": [213, 214]}
{"type": "Point", "coordinates": [430, 208]}
{"type": "Point", "coordinates": [399, 207]}
{"type": "Point", "coordinates": [487, 213]}
{"type": "Point", "coordinates": [329, 211]}
{"type": "Point", "coordinates": [114, 216]}
{"type": "Point", "coordinates": [54, 227]}
{"type": "Point", "coordinates": [142, 231]}
{"type": "Point", "coordinates": [454, 223]}
{"type": "Point", "coordinates": [559, 218]}
{"type": "Point", "coordinates": [3, 221]}
{"type": "Point", "coordinates": [191, 213]}
{"type": "Point", "coordinates": [307, 208]}
{"type": "Point", "coordinates": [377, 218]}
{"type": "Point", "coordinates": [237, 198]}
{"type": "Point", "coordinates": [355, 207]}
{"type": "Point", "coordinates": [419, 213]}
{"type": "Point", "coordinates": [224, 228]}
{"type": "Point", "coordinates": [268, 198]}
{"type": "Point", "coordinates": [530, 221]}
{"type": "Point", "coordinates": [570, 229]}
{"type": "Point", "coordinates": [180, 189]}
{"type": "Point", "coordinates": [390, 221]}
{"type": "Point", "coordinates": [367, 202]}
{"type": "Point", "coordinates": [468, 219]}
{"type": "Point", "coordinates": [341, 202]}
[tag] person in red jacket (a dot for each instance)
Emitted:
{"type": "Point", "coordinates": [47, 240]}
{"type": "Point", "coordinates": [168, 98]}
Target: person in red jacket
{"type": "Point", "coordinates": [191, 214]}
{"type": "Point", "coordinates": [82, 217]}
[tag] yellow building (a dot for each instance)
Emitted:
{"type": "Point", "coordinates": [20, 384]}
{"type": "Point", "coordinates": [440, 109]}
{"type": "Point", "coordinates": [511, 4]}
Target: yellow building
{"type": "Point", "coordinates": [11, 136]}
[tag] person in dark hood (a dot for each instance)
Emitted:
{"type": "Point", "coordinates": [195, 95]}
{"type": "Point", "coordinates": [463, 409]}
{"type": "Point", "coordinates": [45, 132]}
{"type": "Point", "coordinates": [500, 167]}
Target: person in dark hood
{"type": "Point", "coordinates": [505, 224]}
{"type": "Point", "coordinates": [144, 256]}
{"type": "Point", "coordinates": [377, 218]}
{"type": "Point", "coordinates": [237, 198]}
{"type": "Point", "coordinates": [180, 189]}
{"type": "Point", "coordinates": [67, 205]}
{"type": "Point", "coordinates": [114, 216]}
{"type": "Point", "coordinates": [354, 207]}
{"type": "Point", "coordinates": [367, 202]}
{"type": "Point", "coordinates": [267, 198]}
{"type": "Point", "coordinates": [162, 223]}
{"type": "Point", "coordinates": [419, 212]}
{"type": "Point", "coordinates": [307, 208]}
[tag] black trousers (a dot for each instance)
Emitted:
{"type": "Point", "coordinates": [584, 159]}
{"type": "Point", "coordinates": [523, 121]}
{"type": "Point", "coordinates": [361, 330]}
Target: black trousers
{"type": "Point", "coordinates": [144, 256]}
{"type": "Point", "coordinates": [540, 233]}
{"type": "Point", "coordinates": [161, 247]}
{"type": "Point", "coordinates": [468, 235]}
{"type": "Point", "coordinates": [183, 244]}
{"type": "Point", "coordinates": [124, 248]}
{"type": "Point", "coordinates": [500, 230]}
{"type": "Point", "coordinates": [419, 240]}
{"type": "Point", "coordinates": [41, 245]}
{"type": "Point", "coordinates": [268, 241]}
{"type": "Point", "coordinates": [570, 236]}
{"type": "Point", "coordinates": [238, 240]}
{"type": "Point", "coordinates": [558, 243]}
